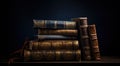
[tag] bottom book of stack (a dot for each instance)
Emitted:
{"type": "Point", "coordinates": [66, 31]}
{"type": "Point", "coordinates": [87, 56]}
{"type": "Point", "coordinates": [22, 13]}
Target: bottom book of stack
{"type": "Point", "coordinates": [54, 55]}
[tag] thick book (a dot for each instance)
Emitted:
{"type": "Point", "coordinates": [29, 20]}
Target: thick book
{"type": "Point", "coordinates": [94, 42]}
{"type": "Point", "coordinates": [66, 32]}
{"type": "Point", "coordinates": [83, 37]}
{"type": "Point", "coordinates": [54, 24]}
{"type": "Point", "coordinates": [56, 55]}
{"type": "Point", "coordinates": [54, 37]}
{"type": "Point", "coordinates": [53, 45]}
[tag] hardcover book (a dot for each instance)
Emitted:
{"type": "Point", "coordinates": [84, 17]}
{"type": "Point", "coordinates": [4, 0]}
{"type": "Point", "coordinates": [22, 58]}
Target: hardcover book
{"type": "Point", "coordinates": [54, 24]}
{"type": "Point", "coordinates": [94, 42]}
{"type": "Point", "coordinates": [65, 32]}
{"type": "Point", "coordinates": [83, 37]}
{"type": "Point", "coordinates": [53, 45]}
{"type": "Point", "coordinates": [64, 55]}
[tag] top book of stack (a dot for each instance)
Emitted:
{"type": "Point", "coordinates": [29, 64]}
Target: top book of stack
{"type": "Point", "coordinates": [54, 24]}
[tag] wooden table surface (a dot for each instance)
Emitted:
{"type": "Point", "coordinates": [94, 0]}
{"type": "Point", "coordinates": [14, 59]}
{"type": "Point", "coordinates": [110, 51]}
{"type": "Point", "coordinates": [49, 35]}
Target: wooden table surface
{"type": "Point", "coordinates": [105, 59]}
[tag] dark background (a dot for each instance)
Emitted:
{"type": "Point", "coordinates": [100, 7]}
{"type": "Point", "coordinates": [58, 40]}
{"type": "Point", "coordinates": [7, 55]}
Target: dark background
{"type": "Point", "coordinates": [17, 21]}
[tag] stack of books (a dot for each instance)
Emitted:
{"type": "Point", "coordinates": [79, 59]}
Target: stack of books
{"type": "Point", "coordinates": [56, 40]}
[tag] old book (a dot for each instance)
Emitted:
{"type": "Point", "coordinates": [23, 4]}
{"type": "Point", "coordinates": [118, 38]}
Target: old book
{"type": "Point", "coordinates": [64, 55]}
{"type": "Point", "coordinates": [54, 24]}
{"type": "Point", "coordinates": [83, 37]}
{"type": "Point", "coordinates": [94, 42]}
{"type": "Point", "coordinates": [53, 45]}
{"type": "Point", "coordinates": [52, 37]}
{"type": "Point", "coordinates": [66, 32]}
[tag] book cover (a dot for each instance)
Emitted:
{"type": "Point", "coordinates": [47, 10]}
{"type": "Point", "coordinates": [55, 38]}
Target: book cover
{"type": "Point", "coordinates": [51, 37]}
{"type": "Point", "coordinates": [52, 55]}
{"type": "Point", "coordinates": [54, 24]}
{"type": "Point", "coordinates": [95, 51]}
{"type": "Point", "coordinates": [53, 45]}
{"type": "Point", "coordinates": [83, 37]}
{"type": "Point", "coordinates": [65, 32]}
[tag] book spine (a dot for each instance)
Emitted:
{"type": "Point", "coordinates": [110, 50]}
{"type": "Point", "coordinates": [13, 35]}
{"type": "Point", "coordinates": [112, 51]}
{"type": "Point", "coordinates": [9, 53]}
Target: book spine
{"type": "Point", "coordinates": [53, 37]}
{"type": "Point", "coordinates": [57, 32]}
{"type": "Point", "coordinates": [52, 55]}
{"type": "Point", "coordinates": [52, 24]}
{"type": "Point", "coordinates": [94, 42]}
{"type": "Point", "coordinates": [54, 45]}
{"type": "Point", "coordinates": [83, 37]}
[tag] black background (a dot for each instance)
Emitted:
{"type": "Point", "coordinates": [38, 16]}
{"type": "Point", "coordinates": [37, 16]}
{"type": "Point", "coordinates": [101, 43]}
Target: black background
{"type": "Point", "coordinates": [17, 21]}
